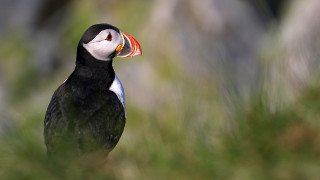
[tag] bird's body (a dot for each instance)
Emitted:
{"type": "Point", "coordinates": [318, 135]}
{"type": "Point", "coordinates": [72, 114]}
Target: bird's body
{"type": "Point", "coordinates": [87, 112]}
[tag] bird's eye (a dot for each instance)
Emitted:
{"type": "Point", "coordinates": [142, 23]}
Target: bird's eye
{"type": "Point", "coordinates": [109, 37]}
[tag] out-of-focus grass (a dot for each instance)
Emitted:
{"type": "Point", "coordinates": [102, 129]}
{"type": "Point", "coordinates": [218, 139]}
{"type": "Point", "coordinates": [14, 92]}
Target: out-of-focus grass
{"type": "Point", "coordinates": [262, 145]}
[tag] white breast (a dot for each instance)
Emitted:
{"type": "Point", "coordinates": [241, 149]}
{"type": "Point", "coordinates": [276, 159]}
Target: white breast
{"type": "Point", "coordinates": [117, 88]}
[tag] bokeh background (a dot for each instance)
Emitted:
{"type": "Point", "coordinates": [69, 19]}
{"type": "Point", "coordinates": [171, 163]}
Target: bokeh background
{"type": "Point", "coordinates": [225, 89]}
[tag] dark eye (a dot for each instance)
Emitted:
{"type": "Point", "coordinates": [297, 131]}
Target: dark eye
{"type": "Point", "coordinates": [109, 37]}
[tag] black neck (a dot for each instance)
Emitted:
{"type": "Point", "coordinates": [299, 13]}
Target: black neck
{"type": "Point", "coordinates": [86, 59]}
{"type": "Point", "coordinates": [90, 71]}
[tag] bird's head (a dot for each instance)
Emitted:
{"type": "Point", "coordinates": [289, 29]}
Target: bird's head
{"type": "Point", "coordinates": [104, 42]}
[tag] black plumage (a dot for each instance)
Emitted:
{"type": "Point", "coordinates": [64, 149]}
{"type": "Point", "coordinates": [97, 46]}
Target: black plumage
{"type": "Point", "coordinates": [84, 115]}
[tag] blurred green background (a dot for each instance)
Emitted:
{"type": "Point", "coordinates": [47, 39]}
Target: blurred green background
{"type": "Point", "coordinates": [225, 89]}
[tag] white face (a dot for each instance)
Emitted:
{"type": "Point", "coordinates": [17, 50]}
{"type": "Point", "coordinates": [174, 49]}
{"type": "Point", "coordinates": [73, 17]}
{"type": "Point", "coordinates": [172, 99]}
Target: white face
{"type": "Point", "coordinates": [105, 43]}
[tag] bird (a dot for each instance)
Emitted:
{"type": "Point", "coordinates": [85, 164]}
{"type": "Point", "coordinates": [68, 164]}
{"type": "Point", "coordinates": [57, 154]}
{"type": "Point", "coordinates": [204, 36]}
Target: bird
{"type": "Point", "coordinates": [87, 111]}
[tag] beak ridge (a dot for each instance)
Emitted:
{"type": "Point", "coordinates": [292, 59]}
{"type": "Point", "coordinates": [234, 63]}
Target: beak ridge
{"type": "Point", "coordinates": [130, 46]}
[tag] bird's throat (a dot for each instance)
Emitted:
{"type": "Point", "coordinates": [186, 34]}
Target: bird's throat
{"type": "Point", "coordinates": [91, 71]}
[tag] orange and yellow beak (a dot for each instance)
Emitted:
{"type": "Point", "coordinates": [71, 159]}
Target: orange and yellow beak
{"type": "Point", "coordinates": [129, 48]}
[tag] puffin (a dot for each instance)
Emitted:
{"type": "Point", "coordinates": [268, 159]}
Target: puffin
{"type": "Point", "coordinates": [87, 111]}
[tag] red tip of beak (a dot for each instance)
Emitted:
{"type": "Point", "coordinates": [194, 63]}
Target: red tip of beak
{"type": "Point", "coordinates": [135, 48]}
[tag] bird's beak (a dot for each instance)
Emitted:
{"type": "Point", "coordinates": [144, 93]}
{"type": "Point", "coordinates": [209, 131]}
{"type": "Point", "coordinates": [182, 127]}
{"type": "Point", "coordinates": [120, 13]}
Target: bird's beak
{"type": "Point", "coordinates": [130, 47]}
